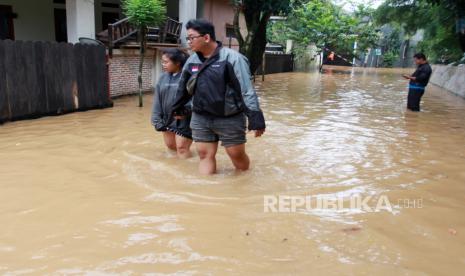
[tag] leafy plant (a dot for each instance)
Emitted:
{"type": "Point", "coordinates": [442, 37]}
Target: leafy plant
{"type": "Point", "coordinates": [389, 58]}
{"type": "Point", "coordinates": [326, 25]}
{"type": "Point", "coordinates": [436, 18]}
{"type": "Point", "coordinates": [142, 14]}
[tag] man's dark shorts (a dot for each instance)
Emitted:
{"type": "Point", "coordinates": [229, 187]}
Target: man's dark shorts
{"type": "Point", "coordinates": [230, 131]}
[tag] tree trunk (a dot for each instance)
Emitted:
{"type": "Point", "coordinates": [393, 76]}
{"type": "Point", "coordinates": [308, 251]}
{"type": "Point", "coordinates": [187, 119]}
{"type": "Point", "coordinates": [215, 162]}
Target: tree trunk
{"type": "Point", "coordinates": [253, 46]}
{"type": "Point", "coordinates": [141, 63]}
{"type": "Point", "coordinates": [460, 21]}
{"type": "Point", "coordinates": [461, 33]}
{"type": "Point", "coordinates": [462, 41]}
{"type": "Point", "coordinates": [257, 46]}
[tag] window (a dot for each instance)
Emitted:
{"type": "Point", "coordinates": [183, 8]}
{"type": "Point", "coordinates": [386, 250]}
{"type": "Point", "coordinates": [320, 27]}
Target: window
{"type": "Point", "coordinates": [110, 5]}
{"type": "Point", "coordinates": [108, 18]}
{"type": "Point", "coordinates": [6, 22]}
{"type": "Point", "coordinates": [61, 31]}
{"type": "Point", "coordinates": [230, 33]}
{"type": "Point", "coordinates": [110, 13]}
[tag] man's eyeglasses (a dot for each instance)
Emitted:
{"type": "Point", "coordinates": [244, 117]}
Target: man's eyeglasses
{"type": "Point", "coordinates": [191, 38]}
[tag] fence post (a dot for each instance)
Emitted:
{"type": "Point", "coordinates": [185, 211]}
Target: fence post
{"type": "Point", "coordinates": [110, 40]}
{"type": "Point", "coordinates": [263, 66]}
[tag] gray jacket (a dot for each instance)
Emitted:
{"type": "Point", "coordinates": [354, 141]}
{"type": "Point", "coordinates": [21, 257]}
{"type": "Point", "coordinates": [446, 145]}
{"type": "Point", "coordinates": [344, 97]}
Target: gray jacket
{"type": "Point", "coordinates": [224, 87]}
{"type": "Point", "coordinates": [163, 99]}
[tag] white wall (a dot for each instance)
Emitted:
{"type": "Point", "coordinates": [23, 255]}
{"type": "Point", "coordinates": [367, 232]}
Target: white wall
{"type": "Point", "coordinates": [157, 69]}
{"type": "Point", "coordinates": [80, 19]}
{"type": "Point", "coordinates": [35, 19]}
{"type": "Point", "coordinates": [220, 12]}
{"type": "Point", "coordinates": [187, 11]}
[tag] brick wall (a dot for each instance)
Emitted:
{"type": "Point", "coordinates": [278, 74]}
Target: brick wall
{"type": "Point", "coordinates": [124, 67]}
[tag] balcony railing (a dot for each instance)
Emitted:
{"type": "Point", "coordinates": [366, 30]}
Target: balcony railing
{"type": "Point", "coordinates": [123, 31]}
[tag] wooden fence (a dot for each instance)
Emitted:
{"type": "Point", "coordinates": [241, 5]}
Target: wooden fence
{"type": "Point", "coordinates": [48, 78]}
{"type": "Point", "coordinates": [277, 63]}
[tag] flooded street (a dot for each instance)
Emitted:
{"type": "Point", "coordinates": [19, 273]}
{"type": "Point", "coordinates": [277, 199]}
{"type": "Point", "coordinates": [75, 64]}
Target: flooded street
{"type": "Point", "coordinates": [97, 193]}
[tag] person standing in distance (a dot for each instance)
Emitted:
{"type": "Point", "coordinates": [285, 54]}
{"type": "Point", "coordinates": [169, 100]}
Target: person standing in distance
{"type": "Point", "coordinates": [418, 81]}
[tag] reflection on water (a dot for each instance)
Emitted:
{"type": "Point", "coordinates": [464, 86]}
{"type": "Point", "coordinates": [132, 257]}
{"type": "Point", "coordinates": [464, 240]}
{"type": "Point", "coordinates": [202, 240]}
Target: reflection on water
{"type": "Point", "coordinates": [97, 193]}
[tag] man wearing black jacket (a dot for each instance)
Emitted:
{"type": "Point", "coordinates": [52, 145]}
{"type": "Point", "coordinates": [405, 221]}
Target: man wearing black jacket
{"type": "Point", "coordinates": [218, 81]}
{"type": "Point", "coordinates": [418, 81]}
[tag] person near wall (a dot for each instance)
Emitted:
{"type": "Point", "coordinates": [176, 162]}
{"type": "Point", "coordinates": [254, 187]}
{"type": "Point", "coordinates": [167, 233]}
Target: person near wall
{"type": "Point", "coordinates": [218, 81]}
{"type": "Point", "coordinates": [418, 81]}
{"type": "Point", "coordinates": [176, 133]}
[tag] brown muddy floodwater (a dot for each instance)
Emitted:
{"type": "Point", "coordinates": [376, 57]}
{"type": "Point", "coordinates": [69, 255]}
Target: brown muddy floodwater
{"type": "Point", "coordinates": [96, 193]}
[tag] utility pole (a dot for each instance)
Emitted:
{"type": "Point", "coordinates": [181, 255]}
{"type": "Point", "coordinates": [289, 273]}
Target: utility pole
{"type": "Point", "coordinates": [263, 66]}
{"type": "Point", "coordinates": [355, 52]}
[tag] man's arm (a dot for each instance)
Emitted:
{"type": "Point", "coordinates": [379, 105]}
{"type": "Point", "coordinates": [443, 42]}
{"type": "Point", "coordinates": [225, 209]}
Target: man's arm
{"type": "Point", "coordinates": [421, 75]}
{"type": "Point", "coordinates": [182, 96]}
{"type": "Point", "coordinates": [241, 80]}
{"type": "Point", "coordinates": [408, 77]}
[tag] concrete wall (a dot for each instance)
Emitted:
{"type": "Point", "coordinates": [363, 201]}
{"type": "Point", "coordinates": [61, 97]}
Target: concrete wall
{"type": "Point", "coordinates": [451, 78]}
{"type": "Point", "coordinates": [220, 13]}
{"type": "Point", "coordinates": [310, 59]}
{"type": "Point", "coordinates": [35, 19]}
{"type": "Point", "coordinates": [80, 20]}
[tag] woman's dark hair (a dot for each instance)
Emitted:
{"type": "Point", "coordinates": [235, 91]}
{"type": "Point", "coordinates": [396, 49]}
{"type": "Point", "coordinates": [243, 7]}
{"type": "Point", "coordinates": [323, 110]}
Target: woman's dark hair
{"type": "Point", "coordinates": [176, 55]}
{"type": "Point", "coordinates": [202, 26]}
{"type": "Point", "coordinates": [419, 56]}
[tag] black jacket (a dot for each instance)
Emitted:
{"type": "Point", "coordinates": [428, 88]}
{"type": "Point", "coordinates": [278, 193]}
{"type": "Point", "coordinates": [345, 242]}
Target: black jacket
{"type": "Point", "coordinates": [422, 75]}
{"type": "Point", "coordinates": [224, 87]}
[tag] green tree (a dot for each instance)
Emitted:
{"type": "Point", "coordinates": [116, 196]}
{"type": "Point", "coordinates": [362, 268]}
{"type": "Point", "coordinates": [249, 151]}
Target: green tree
{"type": "Point", "coordinates": [457, 7]}
{"type": "Point", "coordinates": [144, 13]}
{"type": "Point", "coordinates": [390, 43]}
{"type": "Point", "coordinates": [257, 14]}
{"type": "Point", "coordinates": [368, 33]}
{"type": "Point", "coordinates": [436, 18]}
{"type": "Point", "coordinates": [327, 25]}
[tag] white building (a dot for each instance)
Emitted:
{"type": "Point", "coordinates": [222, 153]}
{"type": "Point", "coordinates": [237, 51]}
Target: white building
{"type": "Point", "coordinates": [68, 20]}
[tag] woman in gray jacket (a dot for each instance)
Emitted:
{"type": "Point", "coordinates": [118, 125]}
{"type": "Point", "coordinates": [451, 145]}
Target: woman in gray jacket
{"type": "Point", "coordinates": [176, 133]}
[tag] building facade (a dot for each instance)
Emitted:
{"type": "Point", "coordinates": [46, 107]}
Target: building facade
{"type": "Point", "coordinates": [68, 20]}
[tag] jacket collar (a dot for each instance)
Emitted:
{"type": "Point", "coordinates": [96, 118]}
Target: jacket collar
{"type": "Point", "coordinates": [215, 54]}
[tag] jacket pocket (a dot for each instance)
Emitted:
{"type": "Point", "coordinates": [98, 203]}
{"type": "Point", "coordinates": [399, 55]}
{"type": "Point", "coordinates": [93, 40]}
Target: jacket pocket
{"type": "Point", "coordinates": [232, 103]}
